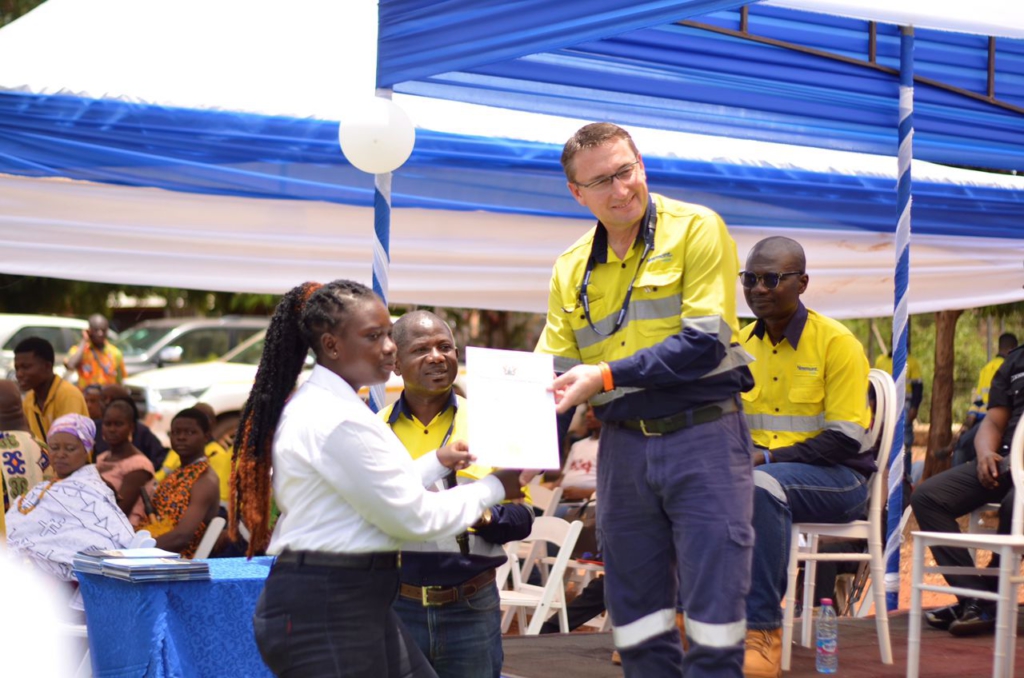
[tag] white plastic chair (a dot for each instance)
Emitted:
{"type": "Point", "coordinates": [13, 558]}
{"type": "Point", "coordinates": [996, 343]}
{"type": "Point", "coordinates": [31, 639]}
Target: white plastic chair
{"type": "Point", "coordinates": [542, 599]}
{"type": "Point", "coordinates": [871, 529]}
{"type": "Point", "coordinates": [545, 498]}
{"type": "Point", "coordinates": [209, 539]}
{"type": "Point", "coordinates": [1010, 549]}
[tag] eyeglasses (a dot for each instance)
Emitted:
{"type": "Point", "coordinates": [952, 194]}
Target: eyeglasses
{"type": "Point", "coordinates": [770, 280]}
{"type": "Point", "coordinates": [605, 183]}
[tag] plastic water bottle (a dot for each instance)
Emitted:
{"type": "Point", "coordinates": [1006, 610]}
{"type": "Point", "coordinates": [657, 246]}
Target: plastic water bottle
{"type": "Point", "coordinates": [827, 660]}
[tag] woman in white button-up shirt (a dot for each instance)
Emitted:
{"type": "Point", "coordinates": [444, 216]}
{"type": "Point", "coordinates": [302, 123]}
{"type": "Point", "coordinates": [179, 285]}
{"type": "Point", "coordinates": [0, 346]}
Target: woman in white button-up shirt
{"type": "Point", "coordinates": [349, 494]}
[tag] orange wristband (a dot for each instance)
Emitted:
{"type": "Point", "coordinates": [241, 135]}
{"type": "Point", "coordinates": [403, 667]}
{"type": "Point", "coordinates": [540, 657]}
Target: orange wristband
{"type": "Point", "coordinates": [606, 376]}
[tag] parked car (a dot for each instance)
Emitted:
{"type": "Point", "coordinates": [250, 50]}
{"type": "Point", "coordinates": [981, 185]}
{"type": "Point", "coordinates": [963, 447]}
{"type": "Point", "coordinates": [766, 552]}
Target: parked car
{"type": "Point", "coordinates": [155, 343]}
{"type": "Point", "coordinates": [63, 333]}
{"type": "Point", "coordinates": [224, 384]}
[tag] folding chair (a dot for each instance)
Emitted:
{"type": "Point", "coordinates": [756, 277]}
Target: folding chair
{"type": "Point", "coordinates": [209, 539]}
{"type": "Point", "coordinates": [542, 599]}
{"type": "Point", "coordinates": [871, 529]}
{"type": "Point", "coordinates": [1010, 549]}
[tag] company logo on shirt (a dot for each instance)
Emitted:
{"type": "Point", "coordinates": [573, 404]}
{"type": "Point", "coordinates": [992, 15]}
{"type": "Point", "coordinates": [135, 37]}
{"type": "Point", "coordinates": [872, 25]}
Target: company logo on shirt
{"type": "Point", "coordinates": [807, 369]}
{"type": "Point", "coordinates": [658, 257]}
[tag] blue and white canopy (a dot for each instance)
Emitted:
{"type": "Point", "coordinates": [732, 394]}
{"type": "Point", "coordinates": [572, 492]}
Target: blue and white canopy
{"type": "Point", "coordinates": [194, 144]}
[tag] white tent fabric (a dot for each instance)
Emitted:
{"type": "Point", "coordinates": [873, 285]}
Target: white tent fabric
{"type": "Point", "coordinates": [125, 235]}
{"type": "Point", "coordinates": [240, 55]}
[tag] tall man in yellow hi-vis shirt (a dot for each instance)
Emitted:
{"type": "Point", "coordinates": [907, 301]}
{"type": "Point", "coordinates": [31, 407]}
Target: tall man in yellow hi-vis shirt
{"type": "Point", "coordinates": [448, 599]}
{"type": "Point", "coordinates": [809, 417]}
{"type": "Point", "coordinates": [641, 321]}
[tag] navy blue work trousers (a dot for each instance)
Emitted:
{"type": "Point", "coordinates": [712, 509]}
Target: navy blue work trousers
{"type": "Point", "coordinates": [674, 522]}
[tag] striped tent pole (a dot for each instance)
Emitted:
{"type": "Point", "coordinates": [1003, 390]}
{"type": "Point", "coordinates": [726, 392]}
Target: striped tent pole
{"type": "Point", "coordinates": [900, 326]}
{"type": "Point", "coordinates": [381, 249]}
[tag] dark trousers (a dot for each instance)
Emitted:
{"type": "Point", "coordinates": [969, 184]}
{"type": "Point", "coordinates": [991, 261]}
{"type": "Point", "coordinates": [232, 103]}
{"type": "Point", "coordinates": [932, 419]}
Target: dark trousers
{"type": "Point", "coordinates": [324, 622]}
{"type": "Point", "coordinates": [943, 498]}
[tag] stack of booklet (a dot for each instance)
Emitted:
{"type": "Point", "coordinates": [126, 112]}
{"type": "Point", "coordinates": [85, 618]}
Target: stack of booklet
{"type": "Point", "coordinates": [141, 565]}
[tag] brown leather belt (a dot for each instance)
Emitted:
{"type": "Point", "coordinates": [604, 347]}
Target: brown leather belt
{"type": "Point", "coordinates": [685, 419]}
{"type": "Point", "coordinates": [346, 561]}
{"type": "Point", "coordinates": [435, 596]}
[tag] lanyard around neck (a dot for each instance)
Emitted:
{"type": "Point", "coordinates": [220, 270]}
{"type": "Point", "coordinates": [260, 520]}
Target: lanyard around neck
{"type": "Point", "coordinates": [650, 224]}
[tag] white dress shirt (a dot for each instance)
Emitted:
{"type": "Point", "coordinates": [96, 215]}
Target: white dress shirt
{"type": "Point", "coordinates": [345, 484]}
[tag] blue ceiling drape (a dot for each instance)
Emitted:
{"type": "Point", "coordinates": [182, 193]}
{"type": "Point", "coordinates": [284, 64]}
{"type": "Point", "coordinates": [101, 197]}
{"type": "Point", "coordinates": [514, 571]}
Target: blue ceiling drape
{"type": "Point", "coordinates": [688, 78]}
{"type": "Point", "coordinates": [418, 38]}
{"type": "Point", "coordinates": [236, 154]}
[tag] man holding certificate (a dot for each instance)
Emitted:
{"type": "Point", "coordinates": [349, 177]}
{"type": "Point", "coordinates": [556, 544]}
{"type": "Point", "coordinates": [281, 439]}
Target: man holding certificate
{"type": "Point", "coordinates": [641, 320]}
{"type": "Point", "coordinates": [448, 599]}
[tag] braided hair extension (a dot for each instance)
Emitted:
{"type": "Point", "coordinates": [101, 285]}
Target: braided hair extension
{"type": "Point", "coordinates": [301, 318]}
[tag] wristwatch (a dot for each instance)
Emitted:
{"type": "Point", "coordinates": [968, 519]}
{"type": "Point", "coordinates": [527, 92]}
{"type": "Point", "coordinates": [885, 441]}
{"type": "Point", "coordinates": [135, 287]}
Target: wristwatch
{"type": "Point", "coordinates": [485, 519]}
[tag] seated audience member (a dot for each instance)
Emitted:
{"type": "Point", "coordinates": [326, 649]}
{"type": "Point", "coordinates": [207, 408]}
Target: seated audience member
{"type": "Point", "coordinates": [93, 395]}
{"type": "Point", "coordinates": [219, 458]}
{"type": "Point", "coordinates": [25, 463]}
{"type": "Point", "coordinates": [809, 418]}
{"type": "Point", "coordinates": [189, 497]}
{"type": "Point", "coordinates": [75, 512]}
{"type": "Point", "coordinates": [957, 491]}
{"type": "Point", "coordinates": [142, 436]}
{"type": "Point", "coordinates": [448, 598]}
{"type": "Point", "coordinates": [123, 466]}
{"type": "Point", "coordinates": [963, 444]}
{"type": "Point", "coordinates": [47, 396]}
{"type": "Point", "coordinates": [579, 475]}
{"type": "Point", "coordinates": [96, 360]}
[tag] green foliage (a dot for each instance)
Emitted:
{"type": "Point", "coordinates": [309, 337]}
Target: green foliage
{"type": "Point", "coordinates": [971, 345]}
{"type": "Point", "coordinates": [12, 9]}
{"type": "Point", "coordinates": [27, 294]}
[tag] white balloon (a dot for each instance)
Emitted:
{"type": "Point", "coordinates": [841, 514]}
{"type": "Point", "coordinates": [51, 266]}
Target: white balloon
{"type": "Point", "coordinates": [376, 135]}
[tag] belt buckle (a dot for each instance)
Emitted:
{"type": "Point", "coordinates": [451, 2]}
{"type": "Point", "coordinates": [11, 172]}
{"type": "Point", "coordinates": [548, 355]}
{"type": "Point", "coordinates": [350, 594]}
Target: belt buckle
{"type": "Point", "coordinates": [649, 434]}
{"type": "Point", "coordinates": [423, 595]}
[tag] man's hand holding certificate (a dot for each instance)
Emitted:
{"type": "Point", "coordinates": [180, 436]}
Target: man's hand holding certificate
{"type": "Point", "coordinates": [512, 417]}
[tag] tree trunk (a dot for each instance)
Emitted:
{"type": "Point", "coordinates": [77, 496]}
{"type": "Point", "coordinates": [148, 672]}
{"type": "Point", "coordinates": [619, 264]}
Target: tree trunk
{"type": "Point", "coordinates": [940, 430]}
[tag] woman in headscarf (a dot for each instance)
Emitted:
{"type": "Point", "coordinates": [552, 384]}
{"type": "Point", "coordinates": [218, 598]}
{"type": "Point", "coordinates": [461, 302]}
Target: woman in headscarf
{"type": "Point", "coordinates": [75, 512]}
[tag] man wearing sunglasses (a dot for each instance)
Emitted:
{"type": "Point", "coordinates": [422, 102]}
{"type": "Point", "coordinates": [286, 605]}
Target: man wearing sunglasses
{"type": "Point", "coordinates": [641, 321]}
{"type": "Point", "coordinates": [809, 417]}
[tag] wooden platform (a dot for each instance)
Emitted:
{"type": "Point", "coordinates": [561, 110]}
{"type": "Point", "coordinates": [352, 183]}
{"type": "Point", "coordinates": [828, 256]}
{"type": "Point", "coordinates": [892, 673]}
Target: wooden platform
{"type": "Point", "coordinates": [587, 655]}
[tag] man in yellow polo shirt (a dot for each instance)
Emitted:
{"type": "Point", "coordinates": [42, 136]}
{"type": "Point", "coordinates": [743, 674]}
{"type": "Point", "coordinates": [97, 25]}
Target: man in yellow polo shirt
{"type": "Point", "coordinates": [808, 416]}
{"type": "Point", "coordinates": [448, 598]}
{"type": "Point", "coordinates": [47, 396]}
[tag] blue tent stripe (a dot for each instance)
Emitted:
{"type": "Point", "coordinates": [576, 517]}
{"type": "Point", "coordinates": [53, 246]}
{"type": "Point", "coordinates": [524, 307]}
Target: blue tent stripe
{"type": "Point", "coordinates": [221, 153]}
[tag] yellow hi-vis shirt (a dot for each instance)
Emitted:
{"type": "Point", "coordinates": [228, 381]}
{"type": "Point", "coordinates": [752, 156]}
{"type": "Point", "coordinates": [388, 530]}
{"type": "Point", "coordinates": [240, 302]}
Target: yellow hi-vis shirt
{"type": "Point", "coordinates": [688, 280]}
{"type": "Point", "coordinates": [419, 438]}
{"type": "Point", "coordinates": [979, 399]}
{"type": "Point", "coordinates": [884, 362]}
{"type": "Point", "coordinates": [819, 385]}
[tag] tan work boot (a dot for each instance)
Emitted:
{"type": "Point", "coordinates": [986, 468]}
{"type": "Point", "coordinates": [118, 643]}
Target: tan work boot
{"type": "Point", "coordinates": [763, 656]}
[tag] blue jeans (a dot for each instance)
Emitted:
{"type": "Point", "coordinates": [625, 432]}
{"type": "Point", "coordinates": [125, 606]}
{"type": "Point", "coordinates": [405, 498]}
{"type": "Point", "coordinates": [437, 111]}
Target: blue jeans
{"type": "Point", "coordinates": [329, 622]}
{"type": "Point", "coordinates": [785, 493]}
{"type": "Point", "coordinates": [673, 522]}
{"type": "Point", "coordinates": [460, 639]}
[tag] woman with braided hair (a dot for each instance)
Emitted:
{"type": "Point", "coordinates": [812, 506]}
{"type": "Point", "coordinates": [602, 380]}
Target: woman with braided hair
{"type": "Point", "coordinates": [349, 493]}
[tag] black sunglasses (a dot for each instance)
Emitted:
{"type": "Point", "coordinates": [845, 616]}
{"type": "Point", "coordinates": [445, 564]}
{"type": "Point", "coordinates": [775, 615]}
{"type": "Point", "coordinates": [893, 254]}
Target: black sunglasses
{"type": "Point", "coordinates": [770, 280]}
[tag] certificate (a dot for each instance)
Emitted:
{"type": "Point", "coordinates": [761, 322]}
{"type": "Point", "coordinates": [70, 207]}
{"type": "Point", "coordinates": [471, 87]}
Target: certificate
{"type": "Point", "coordinates": [511, 411]}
